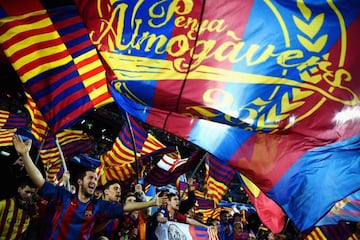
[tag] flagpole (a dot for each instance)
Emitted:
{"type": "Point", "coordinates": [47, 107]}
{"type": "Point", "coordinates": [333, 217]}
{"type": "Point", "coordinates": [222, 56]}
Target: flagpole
{"type": "Point", "coordinates": [134, 146]}
{"type": "Point", "coordinates": [63, 163]}
{"type": "Point", "coordinates": [193, 173]}
{"type": "Point", "coordinates": [41, 146]}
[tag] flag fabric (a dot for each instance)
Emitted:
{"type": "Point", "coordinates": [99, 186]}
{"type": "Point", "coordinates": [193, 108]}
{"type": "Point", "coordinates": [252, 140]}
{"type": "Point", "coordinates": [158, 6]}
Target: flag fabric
{"type": "Point", "coordinates": [205, 206]}
{"type": "Point", "coordinates": [52, 54]}
{"type": "Point", "coordinates": [274, 94]}
{"type": "Point", "coordinates": [218, 177]}
{"type": "Point", "coordinates": [10, 120]}
{"type": "Point", "coordinates": [72, 142]}
{"type": "Point", "coordinates": [119, 162]}
{"type": "Point", "coordinates": [169, 164]}
{"type": "Point", "coordinates": [176, 230]}
{"type": "Point", "coordinates": [238, 206]}
{"type": "Point", "coordinates": [86, 161]}
{"type": "Point", "coordinates": [268, 211]}
{"type": "Point", "coordinates": [341, 230]}
{"type": "Point", "coordinates": [39, 128]}
{"type": "Point", "coordinates": [159, 176]}
{"type": "Point", "coordinates": [347, 209]}
{"type": "Point", "coordinates": [6, 137]}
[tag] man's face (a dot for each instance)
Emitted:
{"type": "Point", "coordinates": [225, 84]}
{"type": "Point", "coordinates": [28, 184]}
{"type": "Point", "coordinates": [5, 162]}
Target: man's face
{"type": "Point", "coordinates": [26, 193]}
{"type": "Point", "coordinates": [130, 199]}
{"type": "Point", "coordinates": [113, 193]}
{"type": "Point", "coordinates": [88, 184]}
{"type": "Point", "coordinates": [238, 228]}
{"type": "Point", "coordinates": [224, 217]}
{"type": "Point", "coordinates": [174, 202]}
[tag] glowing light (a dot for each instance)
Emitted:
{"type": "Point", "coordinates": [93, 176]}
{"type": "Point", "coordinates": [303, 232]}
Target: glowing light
{"type": "Point", "coordinates": [347, 114]}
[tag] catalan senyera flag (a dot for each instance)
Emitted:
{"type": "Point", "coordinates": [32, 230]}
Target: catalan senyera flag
{"type": "Point", "coordinates": [59, 67]}
{"type": "Point", "coordinates": [268, 87]}
{"type": "Point", "coordinates": [10, 120]}
{"type": "Point", "coordinates": [119, 161]}
{"type": "Point", "coordinates": [205, 206]}
{"type": "Point", "coordinates": [39, 128]}
{"type": "Point", "coordinates": [6, 137]}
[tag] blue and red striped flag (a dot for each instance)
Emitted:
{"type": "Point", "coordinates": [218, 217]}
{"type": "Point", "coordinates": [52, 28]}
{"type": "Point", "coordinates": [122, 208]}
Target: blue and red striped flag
{"type": "Point", "coordinates": [56, 62]}
{"type": "Point", "coordinates": [273, 93]}
{"type": "Point", "coordinates": [72, 142]}
{"type": "Point", "coordinates": [218, 177]}
{"type": "Point", "coordinates": [341, 230]}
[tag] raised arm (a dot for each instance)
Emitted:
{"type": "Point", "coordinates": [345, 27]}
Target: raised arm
{"type": "Point", "coordinates": [23, 149]}
{"type": "Point", "coordinates": [195, 223]}
{"type": "Point", "coordinates": [157, 201]}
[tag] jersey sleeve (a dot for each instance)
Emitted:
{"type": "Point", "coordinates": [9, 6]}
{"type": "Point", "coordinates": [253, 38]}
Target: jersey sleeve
{"type": "Point", "coordinates": [110, 209]}
{"type": "Point", "coordinates": [51, 192]}
{"type": "Point", "coordinates": [180, 217]}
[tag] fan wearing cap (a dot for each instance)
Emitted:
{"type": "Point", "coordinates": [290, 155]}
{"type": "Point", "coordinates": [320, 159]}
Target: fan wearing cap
{"type": "Point", "coordinates": [75, 214]}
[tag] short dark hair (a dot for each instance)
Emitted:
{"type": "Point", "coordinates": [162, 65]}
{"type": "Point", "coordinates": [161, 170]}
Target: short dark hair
{"type": "Point", "coordinates": [82, 173]}
{"type": "Point", "coordinates": [26, 182]}
{"type": "Point", "coordinates": [171, 194]}
{"type": "Point", "coordinates": [110, 183]}
{"type": "Point", "coordinates": [129, 194]}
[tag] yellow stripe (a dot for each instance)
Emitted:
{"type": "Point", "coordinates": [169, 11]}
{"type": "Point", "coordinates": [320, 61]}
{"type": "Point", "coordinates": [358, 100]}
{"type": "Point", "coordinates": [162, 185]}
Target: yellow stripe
{"type": "Point", "coordinates": [45, 67]}
{"type": "Point", "coordinates": [11, 209]}
{"type": "Point", "coordinates": [98, 92]}
{"type": "Point", "coordinates": [251, 186]}
{"type": "Point", "coordinates": [12, 32]}
{"type": "Point", "coordinates": [30, 41]}
{"type": "Point", "coordinates": [89, 66]}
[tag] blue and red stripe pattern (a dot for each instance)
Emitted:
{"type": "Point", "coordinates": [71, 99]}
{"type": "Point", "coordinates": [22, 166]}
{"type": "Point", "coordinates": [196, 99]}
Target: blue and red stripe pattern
{"type": "Point", "coordinates": [57, 63]}
{"type": "Point", "coordinates": [218, 177]}
{"type": "Point", "coordinates": [341, 230]}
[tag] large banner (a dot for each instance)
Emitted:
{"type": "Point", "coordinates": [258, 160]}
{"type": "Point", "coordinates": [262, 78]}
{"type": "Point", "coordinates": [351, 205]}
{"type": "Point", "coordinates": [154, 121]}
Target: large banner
{"type": "Point", "coordinates": [180, 231]}
{"type": "Point", "coordinates": [269, 87]}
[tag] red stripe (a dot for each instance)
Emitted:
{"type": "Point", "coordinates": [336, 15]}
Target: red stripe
{"type": "Point", "coordinates": [65, 86]}
{"type": "Point", "coordinates": [78, 47]}
{"type": "Point", "coordinates": [5, 213]}
{"type": "Point", "coordinates": [24, 217]}
{"type": "Point", "coordinates": [66, 22]}
{"type": "Point", "coordinates": [71, 116]}
{"type": "Point", "coordinates": [86, 61]}
{"type": "Point", "coordinates": [67, 218]}
{"type": "Point", "coordinates": [101, 98]}
{"type": "Point", "coordinates": [317, 233]}
{"type": "Point", "coordinates": [28, 50]}
{"type": "Point", "coordinates": [13, 218]}
{"type": "Point", "coordinates": [15, 23]}
{"type": "Point", "coordinates": [92, 73]}
{"type": "Point", "coordinates": [39, 85]}
{"type": "Point", "coordinates": [40, 61]}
